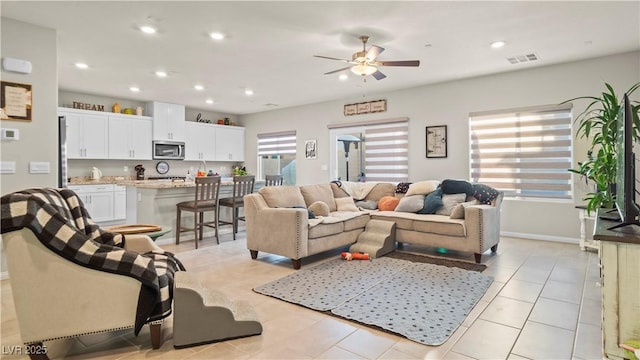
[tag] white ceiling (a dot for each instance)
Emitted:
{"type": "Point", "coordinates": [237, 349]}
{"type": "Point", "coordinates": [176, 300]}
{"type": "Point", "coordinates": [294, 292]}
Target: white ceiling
{"type": "Point", "coordinates": [270, 45]}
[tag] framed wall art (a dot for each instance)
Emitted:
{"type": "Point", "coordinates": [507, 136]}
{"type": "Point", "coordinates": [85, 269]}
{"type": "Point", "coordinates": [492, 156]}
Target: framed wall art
{"type": "Point", "coordinates": [310, 149]}
{"type": "Point", "coordinates": [15, 101]}
{"type": "Point", "coordinates": [437, 141]}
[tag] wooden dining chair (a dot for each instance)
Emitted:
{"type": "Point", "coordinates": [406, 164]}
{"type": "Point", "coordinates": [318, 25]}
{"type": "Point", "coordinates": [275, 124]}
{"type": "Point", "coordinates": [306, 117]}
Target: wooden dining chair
{"type": "Point", "coordinates": [273, 180]}
{"type": "Point", "coordinates": [242, 185]}
{"type": "Point", "coordinates": [206, 199]}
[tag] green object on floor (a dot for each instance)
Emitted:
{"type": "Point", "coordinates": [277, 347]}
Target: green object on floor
{"type": "Point", "coordinates": [156, 234]}
{"type": "Point", "coordinates": [632, 355]}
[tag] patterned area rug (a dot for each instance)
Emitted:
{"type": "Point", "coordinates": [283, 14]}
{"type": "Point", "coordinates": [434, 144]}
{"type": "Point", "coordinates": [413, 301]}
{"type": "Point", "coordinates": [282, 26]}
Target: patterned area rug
{"type": "Point", "coordinates": [423, 302]}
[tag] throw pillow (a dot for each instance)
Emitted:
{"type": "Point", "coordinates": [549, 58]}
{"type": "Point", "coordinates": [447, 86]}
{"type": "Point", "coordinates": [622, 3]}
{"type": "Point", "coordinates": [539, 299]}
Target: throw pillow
{"type": "Point", "coordinates": [282, 196]}
{"type": "Point", "coordinates": [450, 186]}
{"type": "Point", "coordinates": [432, 202]}
{"type": "Point", "coordinates": [388, 203]}
{"type": "Point", "coordinates": [379, 190]}
{"type": "Point", "coordinates": [411, 203]}
{"type": "Point", "coordinates": [367, 204]}
{"type": "Point", "coordinates": [402, 187]}
{"type": "Point", "coordinates": [309, 212]}
{"type": "Point", "coordinates": [346, 204]}
{"type": "Point", "coordinates": [318, 192]}
{"type": "Point", "coordinates": [423, 187]}
{"type": "Point", "coordinates": [450, 201]}
{"type": "Point", "coordinates": [319, 208]}
{"type": "Point", "coordinates": [484, 193]}
{"type": "Point", "coordinates": [338, 192]}
{"type": "Point", "coordinates": [458, 210]}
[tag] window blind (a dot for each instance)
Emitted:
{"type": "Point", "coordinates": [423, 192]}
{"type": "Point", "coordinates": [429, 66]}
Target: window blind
{"type": "Point", "coordinates": [387, 152]}
{"type": "Point", "coordinates": [524, 153]}
{"type": "Point", "coordinates": [277, 143]}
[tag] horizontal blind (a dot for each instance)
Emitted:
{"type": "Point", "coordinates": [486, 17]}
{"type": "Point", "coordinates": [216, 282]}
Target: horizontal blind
{"type": "Point", "coordinates": [387, 152]}
{"type": "Point", "coordinates": [277, 143]}
{"type": "Point", "coordinates": [523, 153]}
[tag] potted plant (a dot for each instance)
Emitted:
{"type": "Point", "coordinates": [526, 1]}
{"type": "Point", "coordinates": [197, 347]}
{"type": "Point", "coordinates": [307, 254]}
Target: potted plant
{"type": "Point", "coordinates": [598, 123]}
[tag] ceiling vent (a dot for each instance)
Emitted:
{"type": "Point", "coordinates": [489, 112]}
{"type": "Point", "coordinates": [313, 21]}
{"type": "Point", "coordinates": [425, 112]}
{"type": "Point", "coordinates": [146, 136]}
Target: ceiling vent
{"type": "Point", "coordinates": [522, 58]}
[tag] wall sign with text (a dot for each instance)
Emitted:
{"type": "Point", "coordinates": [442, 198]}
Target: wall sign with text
{"type": "Point", "coordinates": [15, 101]}
{"type": "Point", "coordinates": [365, 107]}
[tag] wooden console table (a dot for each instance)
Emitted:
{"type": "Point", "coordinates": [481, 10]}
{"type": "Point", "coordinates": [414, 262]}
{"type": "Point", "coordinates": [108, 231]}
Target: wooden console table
{"type": "Point", "coordinates": [620, 273]}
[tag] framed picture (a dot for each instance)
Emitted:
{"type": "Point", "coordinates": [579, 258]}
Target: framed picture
{"type": "Point", "coordinates": [437, 141]}
{"type": "Point", "coordinates": [310, 149]}
{"type": "Point", "coordinates": [15, 101]}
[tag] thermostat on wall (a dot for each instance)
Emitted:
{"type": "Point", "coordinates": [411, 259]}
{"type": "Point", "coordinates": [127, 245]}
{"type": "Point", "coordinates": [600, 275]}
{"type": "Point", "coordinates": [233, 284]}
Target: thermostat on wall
{"type": "Point", "coordinates": [9, 134]}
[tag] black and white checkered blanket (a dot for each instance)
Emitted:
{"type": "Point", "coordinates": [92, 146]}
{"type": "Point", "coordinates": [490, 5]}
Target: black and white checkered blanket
{"type": "Point", "coordinates": [60, 221]}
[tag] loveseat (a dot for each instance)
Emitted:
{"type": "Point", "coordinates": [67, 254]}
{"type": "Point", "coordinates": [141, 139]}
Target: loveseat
{"type": "Point", "coordinates": [299, 221]}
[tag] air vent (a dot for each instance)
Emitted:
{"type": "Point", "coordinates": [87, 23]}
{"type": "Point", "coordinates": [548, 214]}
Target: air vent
{"type": "Point", "coordinates": [522, 58]}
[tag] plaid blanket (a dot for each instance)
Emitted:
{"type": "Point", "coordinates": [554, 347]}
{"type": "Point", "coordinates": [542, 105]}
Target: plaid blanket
{"type": "Point", "coordinates": [60, 221]}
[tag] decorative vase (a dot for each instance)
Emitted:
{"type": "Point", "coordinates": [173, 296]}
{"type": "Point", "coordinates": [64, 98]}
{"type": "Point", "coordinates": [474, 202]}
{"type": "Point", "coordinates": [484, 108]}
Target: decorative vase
{"type": "Point", "coordinates": [226, 121]}
{"type": "Point", "coordinates": [116, 108]}
{"type": "Point", "coordinates": [139, 111]}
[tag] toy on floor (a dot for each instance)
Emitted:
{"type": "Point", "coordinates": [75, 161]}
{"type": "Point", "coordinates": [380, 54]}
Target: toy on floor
{"type": "Point", "coordinates": [631, 349]}
{"type": "Point", "coordinates": [355, 256]}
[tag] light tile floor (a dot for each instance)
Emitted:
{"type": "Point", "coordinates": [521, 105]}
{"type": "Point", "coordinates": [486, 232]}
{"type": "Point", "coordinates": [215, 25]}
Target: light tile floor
{"type": "Point", "coordinates": [543, 304]}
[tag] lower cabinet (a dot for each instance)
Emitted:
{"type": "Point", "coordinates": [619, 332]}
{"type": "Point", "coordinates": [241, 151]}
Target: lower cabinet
{"type": "Point", "coordinates": [119, 202]}
{"type": "Point", "coordinates": [105, 202]}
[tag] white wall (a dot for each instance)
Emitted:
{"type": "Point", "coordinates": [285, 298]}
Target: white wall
{"type": "Point", "coordinates": [449, 104]}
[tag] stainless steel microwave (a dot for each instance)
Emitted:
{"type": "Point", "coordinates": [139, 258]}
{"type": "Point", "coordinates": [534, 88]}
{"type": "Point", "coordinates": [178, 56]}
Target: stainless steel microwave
{"type": "Point", "coordinates": [171, 150]}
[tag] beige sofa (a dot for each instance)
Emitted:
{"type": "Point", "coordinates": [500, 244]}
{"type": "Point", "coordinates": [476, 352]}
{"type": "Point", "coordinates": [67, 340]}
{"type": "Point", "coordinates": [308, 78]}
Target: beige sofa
{"type": "Point", "coordinates": [275, 225]}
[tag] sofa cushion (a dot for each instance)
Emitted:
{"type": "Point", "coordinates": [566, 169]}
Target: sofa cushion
{"type": "Point", "coordinates": [326, 228]}
{"type": "Point", "coordinates": [458, 210]}
{"type": "Point", "coordinates": [450, 186]}
{"type": "Point", "coordinates": [402, 187]}
{"type": "Point", "coordinates": [432, 202]}
{"type": "Point", "coordinates": [319, 208]}
{"type": "Point", "coordinates": [380, 190]}
{"type": "Point", "coordinates": [449, 202]}
{"type": "Point", "coordinates": [439, 224]}
{"type": "Point", "coordinates": [282, 196]}
{"type": "Point", "coordinates": [358, 222]}
{"type": "Point", "coordinates": [423, 187]}
{"type": "Point", "coordinates": [346, 204]}
{"type": "Point", "coordinates": [411, 203]}
{"type": "Point", "coordinates": [484, 193]}
{"type": "Point", "coordinates": [318, 192]}
{"type": "Point", "coordinates": [338, 192]}
{"type": "Point", "coordinates": [388, 203]}
{"type": "Point", "coordinates": [403, 220]}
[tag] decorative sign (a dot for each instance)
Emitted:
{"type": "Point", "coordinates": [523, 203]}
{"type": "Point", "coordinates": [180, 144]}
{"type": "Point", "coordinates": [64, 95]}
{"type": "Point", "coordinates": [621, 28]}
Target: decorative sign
{"type": "Point", "coordinates": [437, 141]}
{"type": "Point", "coordinates": [85, 106]}
{"type": "Point", "coordinates": [310, 149]}
{"type": "Point", "coordinates": [15, 101]}
{"type": "Point", "coordinates": [365, 107]}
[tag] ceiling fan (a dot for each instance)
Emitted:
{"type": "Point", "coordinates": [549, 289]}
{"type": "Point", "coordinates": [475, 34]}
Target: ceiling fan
{"type": "Point", "coordinates": [364, 62]}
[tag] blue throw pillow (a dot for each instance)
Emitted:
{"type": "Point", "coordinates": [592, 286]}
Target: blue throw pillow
{"type": "Point", "coordinates": [311, 214]}
{"type": "Point", "coordinates": [484, 193]}
{"type": "Point", "coordinates": [450, 186]}
{"type": "Point", "coordinates": [432, 202]}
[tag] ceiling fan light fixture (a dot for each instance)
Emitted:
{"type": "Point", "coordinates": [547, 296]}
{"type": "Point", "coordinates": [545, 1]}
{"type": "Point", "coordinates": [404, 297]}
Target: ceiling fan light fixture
{"type": "Point", "coordinates": [363, 69]}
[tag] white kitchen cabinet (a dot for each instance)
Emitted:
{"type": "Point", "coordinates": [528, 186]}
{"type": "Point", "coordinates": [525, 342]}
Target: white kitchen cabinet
{"type": "Point", "coordinates": [97, 199]}
{"type": "Point", "coordinates": [87, 134]}
{"type": "Point", "coordinates": [119, 202]}
{"type": "Point", "coordinates": [168, 121]}
{"type": "Point", "coordinates": [130, 137]}
{"type": "Point", "coordinates": [200, 141]}
{"type": "Point", "coordinates": [229, 143]}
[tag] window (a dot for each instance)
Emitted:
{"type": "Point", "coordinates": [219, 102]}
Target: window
{"type": "Point", "coordinates": [373, 151]}
{"type": "Point", "coordinates": [277, 156]}
{"type": "Point", "coordinates": [524, 152]}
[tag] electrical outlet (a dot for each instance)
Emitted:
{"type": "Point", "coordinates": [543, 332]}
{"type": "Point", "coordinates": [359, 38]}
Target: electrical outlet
{"type": "Point", "coordinates": [126, 168]}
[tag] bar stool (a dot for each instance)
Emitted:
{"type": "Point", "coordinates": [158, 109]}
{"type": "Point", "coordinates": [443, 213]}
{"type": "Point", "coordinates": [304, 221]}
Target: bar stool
{"type": "Point", "coordinates": [242, 185]}
{"type": "Point", "coordinates": [273, 180]}
{"type": "Point", "coordinates": [206, 199]}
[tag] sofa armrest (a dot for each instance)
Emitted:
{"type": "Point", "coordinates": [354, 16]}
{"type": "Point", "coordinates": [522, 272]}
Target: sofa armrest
{"type": "Point", "coordinates": [140, 243]}
{"type": "Point", "coordinates": [483, 226]}
{"type": "Point", "coordinates": [280, 231]}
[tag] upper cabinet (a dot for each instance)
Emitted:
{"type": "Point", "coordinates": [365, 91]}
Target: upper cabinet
{"type": "Point", "coordinates": [168, 121]}
{"type": "Point", "coordinates": [229, 143]}
{"type": "Point", "coordinates": [129, 137]}
{"type": "Point", "coordinates": [200, 141]}
{"type": "Point", "coordinates": [87, 134]}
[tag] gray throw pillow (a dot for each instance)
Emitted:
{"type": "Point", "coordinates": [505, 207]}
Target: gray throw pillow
{"type": "Point", "coordinates": [367, 204]}
{"type": "Point", "coordinates": [411, 203]}
{"type": "Point", "coordinates": [449, 201]}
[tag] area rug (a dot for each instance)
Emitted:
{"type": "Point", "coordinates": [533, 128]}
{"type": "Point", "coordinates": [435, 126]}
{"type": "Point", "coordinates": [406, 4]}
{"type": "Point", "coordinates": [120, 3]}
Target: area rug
{"type": "Point", "coordinates": [423, 302]}
{"type": "Point", "coordinates": [437, 261]}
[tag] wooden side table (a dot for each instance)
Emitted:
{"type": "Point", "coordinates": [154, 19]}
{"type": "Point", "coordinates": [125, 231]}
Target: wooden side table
{"type": "Point", "coordinates": [155, 233]}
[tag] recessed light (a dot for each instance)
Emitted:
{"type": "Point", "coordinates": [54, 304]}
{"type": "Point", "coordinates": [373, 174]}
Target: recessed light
{"type": "Point", "coordinates": [148, 29]}
{"type": "Point", "coordinates": [217, 36]}
{"type": "Point", "coordinates": [209, 101]}
{"type": "Point", "coordinates": [248, 92]}
{"type": "Point", "coordinates": [497, 44]}
{"type": "Point", "coordinates": [343, 77]}
{"type": "Point", "coordinates": [134, 89]}
{"type": "Point", "coordinates": [82, 66]}
{"type": "Point", "coordinates": [161, 73]}
{"type": "Point", "coordinates": [199, 87]}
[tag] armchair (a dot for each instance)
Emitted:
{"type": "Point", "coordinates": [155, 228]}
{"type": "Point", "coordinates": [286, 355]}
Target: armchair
{"type": "Point", "coordinates": [70, 278]}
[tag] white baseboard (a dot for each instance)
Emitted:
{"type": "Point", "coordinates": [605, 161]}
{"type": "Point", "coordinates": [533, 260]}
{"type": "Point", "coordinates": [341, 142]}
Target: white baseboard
{"type": "Point", "coordinates": [540, 237]}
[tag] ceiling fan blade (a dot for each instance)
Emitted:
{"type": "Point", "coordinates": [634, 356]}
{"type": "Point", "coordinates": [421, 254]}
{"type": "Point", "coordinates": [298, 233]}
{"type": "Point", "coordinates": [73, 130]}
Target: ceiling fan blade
{"type": "Point", "coordinates": [335, 71]}
{"type": "Point", "coordinates": [331, 58]}
{"type": "Point", "coordinates": [373, 52]}
{"type": "Point", "coordinates": [399, 63]}
{"type": "Point", "coordinates": [378, 75]}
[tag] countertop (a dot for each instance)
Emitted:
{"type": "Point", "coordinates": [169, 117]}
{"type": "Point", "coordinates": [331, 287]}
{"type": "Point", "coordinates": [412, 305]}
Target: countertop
{"type": "Point", "coordinates": [147, 184]}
